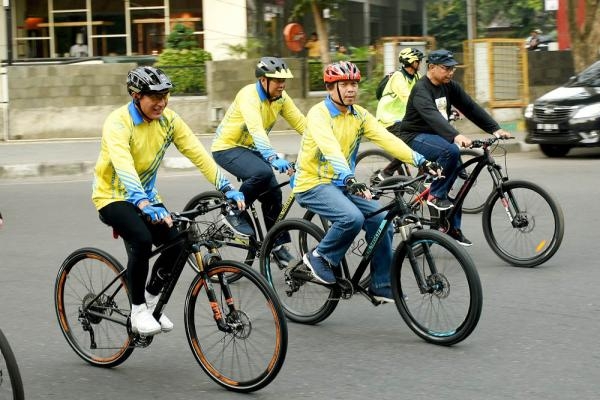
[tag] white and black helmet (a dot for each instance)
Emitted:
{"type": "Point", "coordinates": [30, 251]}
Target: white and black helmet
{"type": "Point", "coordinates": [272, 67]}
{"type": "Point", "coordinates": [147, 80]}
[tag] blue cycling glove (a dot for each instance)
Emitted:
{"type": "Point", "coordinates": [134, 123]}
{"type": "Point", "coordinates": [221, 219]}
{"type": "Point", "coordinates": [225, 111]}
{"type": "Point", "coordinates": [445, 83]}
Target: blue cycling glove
{"type": "Point", "coordinates": [417, 159]}
{"type": "Point", "coordinates": [281, 164]}
{"type": "Point", "coordinates": [234, 195]}
{"type": "Point", "coordinates": [156, 213]}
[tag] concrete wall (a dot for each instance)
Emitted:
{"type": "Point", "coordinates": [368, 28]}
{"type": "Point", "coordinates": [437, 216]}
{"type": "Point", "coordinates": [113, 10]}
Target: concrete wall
{"type": "Point", "coordinates": [72, 101]}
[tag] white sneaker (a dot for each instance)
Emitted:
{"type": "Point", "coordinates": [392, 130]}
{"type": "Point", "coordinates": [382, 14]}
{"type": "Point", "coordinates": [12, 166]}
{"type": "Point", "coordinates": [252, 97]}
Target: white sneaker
{"type": "Point", "coordinates": [165, 323]}
{"type": "Point", "coordinates": [142, 321]}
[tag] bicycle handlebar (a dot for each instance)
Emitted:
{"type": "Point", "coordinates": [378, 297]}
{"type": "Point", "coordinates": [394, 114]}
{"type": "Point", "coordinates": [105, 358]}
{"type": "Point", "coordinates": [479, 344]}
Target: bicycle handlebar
{"type": "Point", "coordinates": [478, 143]}
{"type": "Point", "coordinates": [202, 208]}
{"type": "Point", "coordinates": [396, 186]}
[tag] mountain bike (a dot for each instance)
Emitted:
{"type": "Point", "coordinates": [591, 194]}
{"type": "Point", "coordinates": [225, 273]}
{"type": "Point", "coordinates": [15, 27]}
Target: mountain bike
{"type": "Point", "coordinates": [11, 384]}
{"type": "Point", "coordinates": [522, 223]}
{"type": "Point", "coordinates": [436, 287]}
{"type": "Point", "coordinates": [370, 164]}
{"type": "Point", "coordinates": [237, 332]}
{"type": "Point", "coordinates": [229, 244]}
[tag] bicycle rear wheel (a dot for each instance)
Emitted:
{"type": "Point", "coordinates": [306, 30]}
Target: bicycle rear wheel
{"type": "Point", "coordinates": [440, 296]}
{"type": "Point", "coordinates": [11, 384]}
{"type": "Point", "coordinates": [229, 246]}
{"type": "Point", "coordinates": [93, 303]}
{"type": "Point", "coordinates": [248, 353]}
{"type": "Point", "coordinates": [370, 162]}
{"type": "Point", "coordinates": [537, 227]}
{"type": "Point", "coordinates": [303, 300]}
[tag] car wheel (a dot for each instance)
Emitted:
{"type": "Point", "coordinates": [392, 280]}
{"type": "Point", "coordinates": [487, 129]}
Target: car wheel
{"type": "Point", "coordinates": [553, 150]}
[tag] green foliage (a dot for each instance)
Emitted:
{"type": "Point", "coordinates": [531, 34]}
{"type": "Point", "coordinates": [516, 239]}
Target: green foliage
{"type": "Point", "coordinates": [252, 49]}
{"type": "Point", "coordinates": [186, 68]}
{"type": "Point", "coordinates": [181, 38]}
{"type": "Point", "coordinates": [368, 86]}
{"type": "Point", "coordinates": [302, 7]}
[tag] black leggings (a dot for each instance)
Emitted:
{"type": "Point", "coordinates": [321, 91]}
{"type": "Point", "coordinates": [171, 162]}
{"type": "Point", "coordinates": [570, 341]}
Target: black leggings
{"type": "Point", "coordinates": [139, 235]}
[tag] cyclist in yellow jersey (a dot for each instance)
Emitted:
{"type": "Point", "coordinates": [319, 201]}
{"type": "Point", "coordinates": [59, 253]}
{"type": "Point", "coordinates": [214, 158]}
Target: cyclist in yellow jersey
{"type": "Point", "coordinates": [392, 105]}
{"type": "Point", "coordinates": [135, 138]}
{"type": "Point", "coordinates": [325, 183]}
{"type": "Point", "coordinates": [242, 147]}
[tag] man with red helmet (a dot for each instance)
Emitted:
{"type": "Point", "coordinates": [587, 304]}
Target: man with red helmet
{"type": "Point", "coordinates": [325, 176]}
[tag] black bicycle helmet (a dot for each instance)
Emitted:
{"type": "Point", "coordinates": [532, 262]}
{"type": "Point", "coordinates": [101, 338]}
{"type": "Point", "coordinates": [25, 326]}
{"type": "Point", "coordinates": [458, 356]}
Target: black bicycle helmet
{"type": "Point", "coordinates": [272, 67]}
{"type": "Point", "coordinates": [409, 55]}
{"type": "Point", "coordinates": [147, 80]}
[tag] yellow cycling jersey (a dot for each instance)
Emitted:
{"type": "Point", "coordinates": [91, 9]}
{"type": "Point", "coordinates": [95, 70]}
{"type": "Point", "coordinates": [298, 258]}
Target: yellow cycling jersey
{"type": "Point", "coordinates": [251, 117]}
{"type": "Point", "coordinates": [331, 141]}
{"type": "Point", "coordinates": [392, 105]}
{"type": "Point", "coordinates": [132, 150]}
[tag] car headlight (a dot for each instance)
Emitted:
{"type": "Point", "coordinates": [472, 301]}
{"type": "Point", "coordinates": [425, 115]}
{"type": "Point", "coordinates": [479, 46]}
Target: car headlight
{"type": "Point", "coordinates": [528, 113]}
{"type": "Point", "coordinates": [586, 114]}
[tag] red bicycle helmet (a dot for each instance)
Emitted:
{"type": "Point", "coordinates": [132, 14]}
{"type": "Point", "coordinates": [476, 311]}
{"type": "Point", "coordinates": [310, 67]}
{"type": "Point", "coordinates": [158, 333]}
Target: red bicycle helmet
{"type": "Point", "coordinates": [341, 71]}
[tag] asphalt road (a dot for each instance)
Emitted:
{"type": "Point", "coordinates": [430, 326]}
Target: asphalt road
{"type": "Point", "coordinates": [537, 337]}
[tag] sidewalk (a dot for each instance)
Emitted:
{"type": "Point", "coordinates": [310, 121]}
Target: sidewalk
{"type": "Point", "coordinates": [71, 157]}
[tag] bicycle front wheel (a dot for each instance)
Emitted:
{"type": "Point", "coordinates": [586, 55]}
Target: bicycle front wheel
{"type": "Point", "coordinates": [246, 350]}
{"type": "Point", "coordinates": [439, 296]}
{"type": "Point", "coordinates": [11, 385]}
{"type": "Point", "coordinates": [93, 303]}
{"type": "Point", "coordinates": [303, 300]}
{"type": "Point", "coordinates": [536, 230]}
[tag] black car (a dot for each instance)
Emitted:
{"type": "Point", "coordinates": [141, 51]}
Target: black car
{"type": "Point", "coordinates": [568, 116]}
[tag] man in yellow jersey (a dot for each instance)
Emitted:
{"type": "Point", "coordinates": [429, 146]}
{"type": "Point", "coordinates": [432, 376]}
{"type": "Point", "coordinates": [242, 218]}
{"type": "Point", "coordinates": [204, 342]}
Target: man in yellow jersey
{"type": "Point", "coordinates": [135, 138]}
{"type": "Point", "coordinates": [392, 105]}
{"type": "Point", "coordinates": [242, 147]}
{"type": "Point", "coordinates": [325, 182]}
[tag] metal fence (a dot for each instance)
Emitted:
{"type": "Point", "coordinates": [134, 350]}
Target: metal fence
{"type": "Point", "coordinates": [496, 72]}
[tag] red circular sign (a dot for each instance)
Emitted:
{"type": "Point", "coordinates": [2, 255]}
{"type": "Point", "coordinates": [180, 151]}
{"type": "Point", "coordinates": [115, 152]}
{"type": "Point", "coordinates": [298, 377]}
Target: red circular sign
{"type": "Point", "coordinates": [294, 36]}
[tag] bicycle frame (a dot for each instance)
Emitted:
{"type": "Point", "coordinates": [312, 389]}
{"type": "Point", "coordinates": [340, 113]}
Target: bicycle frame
{"type": "Point", "coordinates": [396, 207]}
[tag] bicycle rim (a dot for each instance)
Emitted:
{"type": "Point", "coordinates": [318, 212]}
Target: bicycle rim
{"type": "Point", "coordinates": [303, 301]}
{"type": "Point", "coordinates": [539, 224]}
{"type": "Point", "coordinates": [11, 384]}
{"type": "Point", "coordinates": [449, 310]}
{"type": "Point", "coordinates": [82, 276]}
{"type": "Point", "coordinates": [249, 356]}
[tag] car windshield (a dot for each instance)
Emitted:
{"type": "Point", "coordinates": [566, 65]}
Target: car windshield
{"type": "Point", "coordinates": [589, 76]}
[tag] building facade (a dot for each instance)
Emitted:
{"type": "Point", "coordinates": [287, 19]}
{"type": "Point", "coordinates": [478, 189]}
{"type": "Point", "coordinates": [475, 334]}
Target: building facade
{"type": "Point", "coordinates": [59, 29]}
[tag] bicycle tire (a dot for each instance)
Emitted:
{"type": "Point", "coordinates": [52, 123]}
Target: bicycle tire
{"type": "Point", "coordinates": [482, 188]}
{"type": "Point", "coordinates": [230, 246]}
{"type": "Point", "coordinates": [13, 386]}
{"type": "Point", "coordinates": [81, 276]}
{"type": "Point", "coordinates": [449, 310]}
{"type": "Point", "coordinates": [372, 161]}
{"type": "Point", "coordinates": [251, 356]}
{"type": "Point", "coordinates": [354, 251]}
{"type": "Point", "coordinates": [541, 220]}
{"type": "Point", "coordinates": [303, 301]}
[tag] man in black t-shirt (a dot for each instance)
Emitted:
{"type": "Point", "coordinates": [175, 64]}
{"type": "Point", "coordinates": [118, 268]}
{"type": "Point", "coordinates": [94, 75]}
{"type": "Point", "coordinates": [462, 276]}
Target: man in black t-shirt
{"type": "Point", "coordinates": [427, 130]}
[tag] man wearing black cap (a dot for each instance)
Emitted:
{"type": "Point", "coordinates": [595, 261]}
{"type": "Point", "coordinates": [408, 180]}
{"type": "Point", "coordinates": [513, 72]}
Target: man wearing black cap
{"type": "Point", "coordinates": [427, 130]}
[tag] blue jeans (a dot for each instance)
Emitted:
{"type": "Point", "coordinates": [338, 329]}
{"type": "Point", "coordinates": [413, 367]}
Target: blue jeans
{"type": "Point", "coordinates": [347, 219]}
{"type": "Point", "coordinates": [435, 148]}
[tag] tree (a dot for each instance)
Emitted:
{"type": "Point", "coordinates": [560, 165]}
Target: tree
{"type": "Point", "coordinates": [584, 33]}
{"type": "Point", "coordinates": [316, 7]}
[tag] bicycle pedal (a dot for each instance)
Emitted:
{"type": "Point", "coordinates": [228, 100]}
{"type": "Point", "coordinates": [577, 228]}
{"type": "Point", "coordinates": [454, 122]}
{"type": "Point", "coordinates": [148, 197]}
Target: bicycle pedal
{"type": "Point", "coordinates": [345, 287]}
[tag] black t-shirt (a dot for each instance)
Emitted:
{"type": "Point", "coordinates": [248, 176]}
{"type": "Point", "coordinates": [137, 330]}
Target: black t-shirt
{"type": "Point", "coordinates": [429, 106]}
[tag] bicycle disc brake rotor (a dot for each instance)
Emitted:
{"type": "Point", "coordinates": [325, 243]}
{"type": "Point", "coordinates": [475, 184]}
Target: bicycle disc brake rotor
{"type": "Point", "coordinates": [240, 324]}
{"type": "Point", "coordinates": [439, 285]}
{"type": "Point", "coordinates": [524, 222]}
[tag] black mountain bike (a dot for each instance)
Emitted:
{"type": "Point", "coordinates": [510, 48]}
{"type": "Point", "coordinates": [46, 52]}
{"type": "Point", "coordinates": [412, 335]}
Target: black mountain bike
{"type": "Point", "coordinates": [522, 222]}
{"type": "Point", "coordinates": [11, 385]}
{"type": "Point", "coordinates": [434, 281]}
{"type": "Point", "coordinates": [237, 331]}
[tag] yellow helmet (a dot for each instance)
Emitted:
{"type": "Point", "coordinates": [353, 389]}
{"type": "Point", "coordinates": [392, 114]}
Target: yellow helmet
{"type": "Point", "coordinates": [409, 55]}
{"type": "Point", "coordinates": [272, 67]}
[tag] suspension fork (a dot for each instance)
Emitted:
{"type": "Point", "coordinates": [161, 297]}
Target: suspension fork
{"type": "Point", "coordinates": [421, 280]}
{"type": "Point", "coordinates": [212, 296]}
